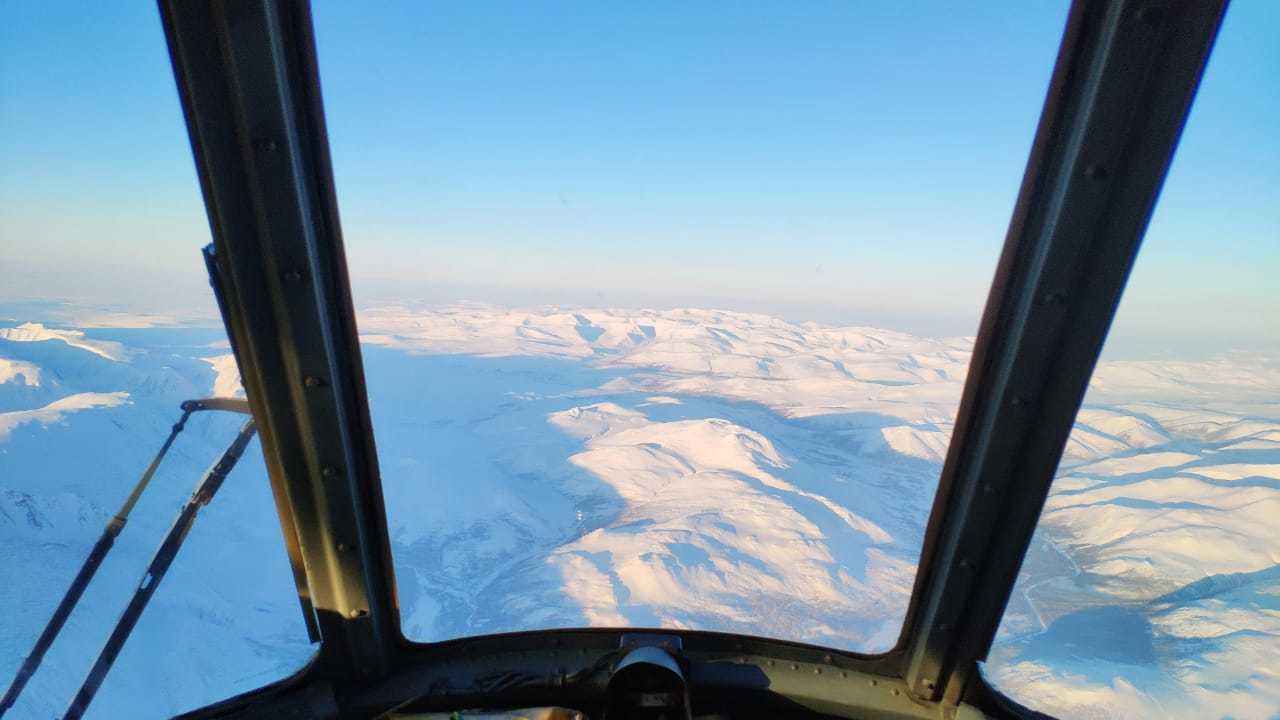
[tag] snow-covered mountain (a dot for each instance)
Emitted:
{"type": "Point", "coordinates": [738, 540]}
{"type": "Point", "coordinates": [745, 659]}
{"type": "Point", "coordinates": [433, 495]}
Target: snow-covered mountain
{"type": "Point", "coordinates": [686, 468]}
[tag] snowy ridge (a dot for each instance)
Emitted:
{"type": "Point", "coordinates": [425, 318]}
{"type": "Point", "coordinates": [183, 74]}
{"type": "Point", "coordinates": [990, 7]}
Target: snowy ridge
{"type": "Point", "coordinates": [55, 411]}
{"type": "Point", "coordinates": [19, 372]}
{"type": "Point", "coordinates": [692, 562]}
{"type": "Point", "coordinates": [798, 370]}
{"type": "Point", "coordinates": [36, 332]}
{"type": "Point", "coordinates": [226, 382]}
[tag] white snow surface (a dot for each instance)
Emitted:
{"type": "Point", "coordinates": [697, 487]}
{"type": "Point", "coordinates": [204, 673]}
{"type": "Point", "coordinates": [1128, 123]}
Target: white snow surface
{"type": "Point", "coordinates": [798, 370]}
{"type": "Point", "coordinates": [55, 411]}
{"type": "Point", "coordinates": [19, 372]}
{"type": "Point", "coordinates": [549, 467]}
{"type": "Point", "coordinates": [37, 332]}
{"type": "Point", "coordinates": [226, 382]}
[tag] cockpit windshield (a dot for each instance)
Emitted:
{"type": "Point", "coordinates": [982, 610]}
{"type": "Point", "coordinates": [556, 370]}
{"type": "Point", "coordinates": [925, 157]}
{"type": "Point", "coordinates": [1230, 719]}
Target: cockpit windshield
{"type": "Point", "coordinates": [666, 310]}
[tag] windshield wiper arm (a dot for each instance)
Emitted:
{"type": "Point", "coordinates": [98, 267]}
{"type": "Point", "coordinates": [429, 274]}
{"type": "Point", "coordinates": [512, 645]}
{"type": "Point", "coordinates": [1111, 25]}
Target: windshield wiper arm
{"type": "Point", "coordinates": [160, 563]}
{"type": "Point", "coordinates": [104, 545]}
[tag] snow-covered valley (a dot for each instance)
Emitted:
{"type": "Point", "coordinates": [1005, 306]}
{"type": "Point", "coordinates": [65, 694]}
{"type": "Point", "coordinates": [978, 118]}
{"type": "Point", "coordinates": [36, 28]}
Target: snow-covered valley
{"type": "Point", "coordinates": [685, 468]}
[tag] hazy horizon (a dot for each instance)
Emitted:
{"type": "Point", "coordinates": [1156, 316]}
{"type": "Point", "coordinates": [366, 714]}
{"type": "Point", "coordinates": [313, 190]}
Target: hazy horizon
{"type": "Point", "coordinates": [795, 164]}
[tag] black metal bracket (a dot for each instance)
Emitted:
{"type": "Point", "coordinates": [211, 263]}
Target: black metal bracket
{"type": "Point", "coordinates": [247, 79]}
{"type": "Point", "coordinates": [1124, 82]}
{"type": "Point", "coordinates": [280, 494]}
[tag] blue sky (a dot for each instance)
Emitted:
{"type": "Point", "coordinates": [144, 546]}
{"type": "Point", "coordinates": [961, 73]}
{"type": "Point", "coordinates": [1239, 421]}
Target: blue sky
{"type": "Point", "coordinates": [846, 162]}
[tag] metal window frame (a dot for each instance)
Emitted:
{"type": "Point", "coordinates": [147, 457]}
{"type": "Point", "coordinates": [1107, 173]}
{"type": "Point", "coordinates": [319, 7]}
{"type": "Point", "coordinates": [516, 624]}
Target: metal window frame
{"type": "Point", "coordinates": [246, 70]}
{"type": "Point", "coordinates": [1123, 86]}
{"type": "Point", "coordinates": [249, 88]}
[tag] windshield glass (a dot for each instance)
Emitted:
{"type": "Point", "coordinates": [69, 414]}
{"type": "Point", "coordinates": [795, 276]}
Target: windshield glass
{"type": "Point", "coordinates": [107, 324]}
{"type": "Point", "coordinates": [1152, 588]}
{"type": "Point", "coordinates": [666, 309]}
